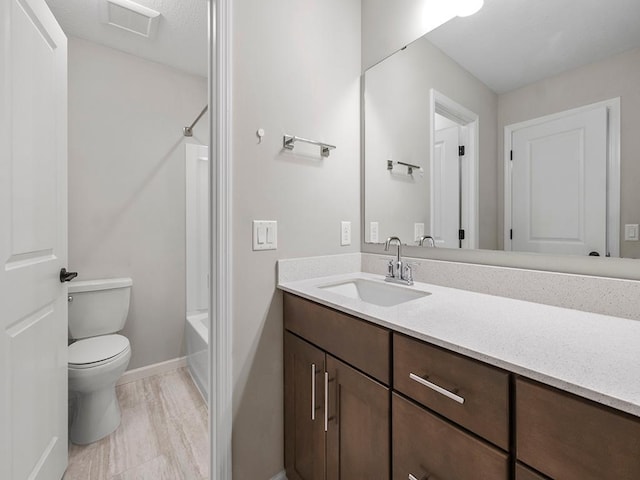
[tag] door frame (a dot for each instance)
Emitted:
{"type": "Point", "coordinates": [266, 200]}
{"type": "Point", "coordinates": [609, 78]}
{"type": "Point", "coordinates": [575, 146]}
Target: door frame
{"type": "Point", "coordinates": [469, 122]}
{"type": "Point", "coordinates": [613, 168]}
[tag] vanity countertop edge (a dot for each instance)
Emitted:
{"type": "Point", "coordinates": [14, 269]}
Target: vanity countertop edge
{"type": "Point", "coordinates": [591, 355]}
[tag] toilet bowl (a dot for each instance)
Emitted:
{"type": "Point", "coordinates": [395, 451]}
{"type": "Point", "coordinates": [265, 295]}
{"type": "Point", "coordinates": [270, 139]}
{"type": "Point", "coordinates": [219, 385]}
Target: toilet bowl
{"type": "Point", "coordinates": [98, 357]}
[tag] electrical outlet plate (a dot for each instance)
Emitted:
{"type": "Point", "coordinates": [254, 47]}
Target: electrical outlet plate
{"type": "Point", "coordinates": [632, 232]}
{"type": "Point", "coordinates": [374, 228]}
{"type": "Point", "coordinates": [418, 231]}
{"type": "Point", "coordinates": [265, 235]}
{"type": "Point", "coordinates": [345, 233]}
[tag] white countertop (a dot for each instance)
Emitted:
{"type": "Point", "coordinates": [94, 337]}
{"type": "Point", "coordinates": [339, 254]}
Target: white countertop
{"type": "Point", "coordinates": [591, 355]}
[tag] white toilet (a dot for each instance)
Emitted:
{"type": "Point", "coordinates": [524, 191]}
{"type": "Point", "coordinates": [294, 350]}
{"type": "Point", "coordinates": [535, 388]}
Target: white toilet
{"type": "Point", "coordinates": [97, 310]}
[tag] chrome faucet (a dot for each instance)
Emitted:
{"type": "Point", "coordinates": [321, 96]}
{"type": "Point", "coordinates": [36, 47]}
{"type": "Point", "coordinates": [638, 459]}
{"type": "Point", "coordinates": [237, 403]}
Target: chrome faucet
{"type": "Point", "coordinates": [397, 271]}
{"type": "Point", "coordinates": [427, 237]}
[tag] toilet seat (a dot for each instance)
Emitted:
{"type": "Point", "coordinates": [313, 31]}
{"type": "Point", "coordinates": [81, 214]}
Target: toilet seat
{"type": "Point", "coordinates": [96, 351]}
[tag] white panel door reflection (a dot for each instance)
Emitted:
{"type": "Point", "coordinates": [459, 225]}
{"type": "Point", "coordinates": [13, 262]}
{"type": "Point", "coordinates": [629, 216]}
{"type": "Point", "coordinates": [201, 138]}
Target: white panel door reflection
{"type": "Point", "coordinates": [559, 185]}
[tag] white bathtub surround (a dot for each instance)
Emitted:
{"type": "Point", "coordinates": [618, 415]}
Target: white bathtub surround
{"type": "Point", "coordinates": [608, 296]}
{"type": "Point", "coordinates": [196, 337]}
{"type": "Point", "coordinates": [152, 370]}
{"type": "Point", "coordinates": [591, 355]}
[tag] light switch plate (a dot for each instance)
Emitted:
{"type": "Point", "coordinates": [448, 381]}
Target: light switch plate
{"type": "Point", "coordinates": [265, 235]}
{"type": "Point", "coordinates": [374, 228]}
{"type": "Point", "coordinates": [418, 231]}
{"type": "Point", "coordinates": [632, 232]}
{"type": "Point", "coordinates": [345, 233]}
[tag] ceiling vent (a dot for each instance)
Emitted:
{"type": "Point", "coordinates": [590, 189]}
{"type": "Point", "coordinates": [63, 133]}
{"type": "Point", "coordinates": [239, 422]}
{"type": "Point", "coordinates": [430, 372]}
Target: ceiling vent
{"type": "Point", "coordinates": [131, 17]}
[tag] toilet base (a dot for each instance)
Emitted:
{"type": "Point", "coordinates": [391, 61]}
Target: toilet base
{"type": "Point", "coordinates": [97, 415]}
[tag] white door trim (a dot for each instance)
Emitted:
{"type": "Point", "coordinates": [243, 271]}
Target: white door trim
{"type": "Point", "coordinates": [220, 333]}
{"type": "Point", "coordinates": [443, 105]}
{"type": "Point", "coordinates": [613, 168]}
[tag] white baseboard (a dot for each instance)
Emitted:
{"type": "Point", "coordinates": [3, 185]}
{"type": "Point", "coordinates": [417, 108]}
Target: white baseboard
{"type": "Point", "coordinates": [151, 370]}
{"type": "Point", "coordinates": [280, 476]}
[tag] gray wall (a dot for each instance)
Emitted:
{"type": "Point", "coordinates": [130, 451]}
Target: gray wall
{"type": "Point", "coordinates": [618, 76]}
{"type": "Point", "coordinates": [296, 70]}
{"type": "Point", "coordinates": [397, 127]}
{"type": "Point", "coordinates": [127, 185]}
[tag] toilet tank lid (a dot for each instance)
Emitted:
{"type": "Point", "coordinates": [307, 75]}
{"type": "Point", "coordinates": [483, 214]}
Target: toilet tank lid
{"type": "Point", "coordinates": [99, 284]}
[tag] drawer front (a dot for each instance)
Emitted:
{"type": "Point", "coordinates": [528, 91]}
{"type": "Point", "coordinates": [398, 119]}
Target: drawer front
{"type": "Point", "coordinates": [426, 446]}
{"type": "Point", "coordinates": [354, 341]}
{"type": "Point", "coordinates": [419, 369]}
{"type": "Point", "coordinates": [564, 436]}
{"type": "Point", "coordinates": [524, 473]}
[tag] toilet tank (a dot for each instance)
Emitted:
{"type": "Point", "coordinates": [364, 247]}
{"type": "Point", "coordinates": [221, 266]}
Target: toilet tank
{"type": "Point", "coordinates": [98, 307]}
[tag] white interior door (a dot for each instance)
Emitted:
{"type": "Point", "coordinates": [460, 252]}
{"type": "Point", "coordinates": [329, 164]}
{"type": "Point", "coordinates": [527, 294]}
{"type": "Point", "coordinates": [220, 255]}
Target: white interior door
{"type": "Point", "coordinates": [33, 242]}
{"type": "Point", "coordinates": [559, 185]}
{"type": "Point", "coordinates": [445, 188]}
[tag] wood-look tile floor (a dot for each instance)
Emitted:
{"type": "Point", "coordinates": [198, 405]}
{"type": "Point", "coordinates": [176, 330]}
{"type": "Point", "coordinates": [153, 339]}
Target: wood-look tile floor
{"type": "Point", "coordinates": [163, 435]}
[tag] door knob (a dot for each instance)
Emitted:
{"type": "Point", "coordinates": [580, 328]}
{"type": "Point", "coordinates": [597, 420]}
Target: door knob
{"type": "Point", "coordinates": [67, 276]}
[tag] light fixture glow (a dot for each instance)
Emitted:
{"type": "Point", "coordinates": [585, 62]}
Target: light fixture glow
{"type": "Point", "coordinates": [469, 7]}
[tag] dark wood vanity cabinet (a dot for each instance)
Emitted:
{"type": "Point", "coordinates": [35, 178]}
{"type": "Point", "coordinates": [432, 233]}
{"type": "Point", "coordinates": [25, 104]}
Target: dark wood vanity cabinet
{"type": "Point", "coordinates": [362, 402]}
{"type": "Point", "coordinates": [569, 438]}
{"type": "Point", "coordinates": [337, 419]}
{"type": "Point", "coordinates": [428, 447]}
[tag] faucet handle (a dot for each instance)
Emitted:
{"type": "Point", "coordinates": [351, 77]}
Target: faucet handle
{"type": "Point", "coordinates": [407, 272]}
{"type": "Point", "coordinates": [390, 268]}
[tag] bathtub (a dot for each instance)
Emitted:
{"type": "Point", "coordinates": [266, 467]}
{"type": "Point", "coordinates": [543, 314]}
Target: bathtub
{"type": "Point", "coordinates": [197, 345]}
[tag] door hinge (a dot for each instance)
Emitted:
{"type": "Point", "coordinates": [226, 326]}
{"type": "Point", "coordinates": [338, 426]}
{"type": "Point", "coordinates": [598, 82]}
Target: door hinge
{"type": "Point", "coordinates": [461, 234]}
{"type": "Point", "coordinates": [461, 151]}
{"type": "Point", "coordinates": [511, 234]}
{"type": "Point", "coordinates": [511, 157]}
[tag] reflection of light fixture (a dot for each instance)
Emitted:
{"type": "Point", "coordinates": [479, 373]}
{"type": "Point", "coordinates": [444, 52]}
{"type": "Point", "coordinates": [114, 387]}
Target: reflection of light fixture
{"type": "Point", "coordinates": [469, 7]}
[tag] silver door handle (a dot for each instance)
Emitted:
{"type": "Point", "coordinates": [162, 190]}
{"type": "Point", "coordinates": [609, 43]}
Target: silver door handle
{"type": "Point", "coordinates": [313, 391]}
{"type": "Point", "coordinates": [326, 401]}
{"type": "Point", "coordinates": [437, 388]}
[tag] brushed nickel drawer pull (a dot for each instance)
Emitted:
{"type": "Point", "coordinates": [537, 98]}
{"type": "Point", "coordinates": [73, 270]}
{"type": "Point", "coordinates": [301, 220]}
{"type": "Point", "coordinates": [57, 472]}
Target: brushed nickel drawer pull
{"type": "Point", "coordinates": [437, 388]}
{"type": "Point", "coordinates": [326, 401]}
{"type": "Point", "coordinates": [313, 391]}
{"type": "Point", "coordinates": [412, 477]}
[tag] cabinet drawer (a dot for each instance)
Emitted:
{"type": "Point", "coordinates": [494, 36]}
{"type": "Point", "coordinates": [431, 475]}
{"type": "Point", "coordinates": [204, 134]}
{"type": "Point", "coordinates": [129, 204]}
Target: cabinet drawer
{"type": "Point", "coordinates": [564, 436]}
{"type": "Point", "coordinates": [484, 389]}
{"type": "Point", "coordinates": [356, 342]}
{"type": "Point", "coordinates": [427, 447]}
{"type": "Point", "coordinates": [524, 473]}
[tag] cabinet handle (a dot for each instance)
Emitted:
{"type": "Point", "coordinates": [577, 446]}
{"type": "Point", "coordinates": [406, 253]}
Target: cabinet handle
{"type": "Point", "coordinates": [326, 401]}
{"type": "Point", "coordinates": [437, 388]}
{"type": "Point", "coordinates": [412, 477]}
{"type": "Point", "coordinates": [313, 391]}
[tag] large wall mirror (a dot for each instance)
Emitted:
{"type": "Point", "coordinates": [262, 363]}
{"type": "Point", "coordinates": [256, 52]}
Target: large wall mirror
{"type": "Point", "coordinates": [513, 129]}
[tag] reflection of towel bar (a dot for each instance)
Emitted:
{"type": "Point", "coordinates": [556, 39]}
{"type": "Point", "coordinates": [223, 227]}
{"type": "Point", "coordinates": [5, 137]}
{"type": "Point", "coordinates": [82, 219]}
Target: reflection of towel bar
{"type": "Point", "coordinates": [289, 140]}
{"type": "Point", "coordinates": [409, 166]}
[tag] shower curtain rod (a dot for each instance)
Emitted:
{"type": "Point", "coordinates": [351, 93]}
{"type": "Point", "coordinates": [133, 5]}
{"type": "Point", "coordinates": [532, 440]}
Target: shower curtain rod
{"type": "Point", "coordinates": [188, 131]}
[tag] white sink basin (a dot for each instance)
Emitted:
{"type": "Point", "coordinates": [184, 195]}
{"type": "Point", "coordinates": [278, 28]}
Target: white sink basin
{"type": "Point", "coordinates": [377, 293]}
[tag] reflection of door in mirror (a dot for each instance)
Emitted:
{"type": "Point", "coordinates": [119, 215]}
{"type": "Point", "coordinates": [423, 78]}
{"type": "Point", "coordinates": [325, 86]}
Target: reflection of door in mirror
{"type": "Point", "coordinates": [453, 173]}
{"type": "Point", "coordinates": [445, 184]}
{"type": "Point", "coordinates": [559, 170]}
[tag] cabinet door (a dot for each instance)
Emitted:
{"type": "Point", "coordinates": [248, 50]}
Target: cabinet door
{"type": "Point", "coordinates": [358, 425]}
{"type": "Point", "coordinates": [569, 438]}
{"type": "Point", "coordinates": [427, 447]}
{"type": "Point", "coordinates": [304, 367]}
{"type": "Point", "coordinates": [523, 473]}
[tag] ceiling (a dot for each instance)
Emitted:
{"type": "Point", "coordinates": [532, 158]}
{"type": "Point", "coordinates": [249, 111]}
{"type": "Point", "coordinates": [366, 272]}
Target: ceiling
{"type": "Point", "coordinates": [181, 39]}
{"type": "Point", "coordinates": [512, 43]}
